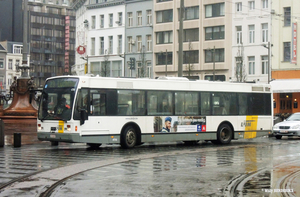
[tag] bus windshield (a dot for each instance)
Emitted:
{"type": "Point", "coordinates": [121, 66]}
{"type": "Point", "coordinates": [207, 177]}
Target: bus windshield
{"type": "Point", "coordinates": [57, 99]}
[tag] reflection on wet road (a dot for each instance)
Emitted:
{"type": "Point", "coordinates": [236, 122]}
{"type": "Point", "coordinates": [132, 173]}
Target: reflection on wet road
{"type": "Point", "coordinates": [259, 167]}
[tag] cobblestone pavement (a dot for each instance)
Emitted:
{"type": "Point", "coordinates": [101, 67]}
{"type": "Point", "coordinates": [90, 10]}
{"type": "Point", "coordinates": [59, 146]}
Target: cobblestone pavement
{"type": "Point", "coordinates": [151, 170]}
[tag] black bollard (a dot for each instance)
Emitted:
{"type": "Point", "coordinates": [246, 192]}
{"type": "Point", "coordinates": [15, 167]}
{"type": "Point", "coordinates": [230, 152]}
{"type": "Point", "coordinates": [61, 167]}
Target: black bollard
{"type": "Point", "coordinates": [17, 139]}
{"type": "Point", "coordinates": [1, 133]}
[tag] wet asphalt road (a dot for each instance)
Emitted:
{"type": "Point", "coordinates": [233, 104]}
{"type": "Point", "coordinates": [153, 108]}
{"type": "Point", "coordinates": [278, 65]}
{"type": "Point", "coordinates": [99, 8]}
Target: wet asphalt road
{"type": "Point", "coordinates": [152, 170]}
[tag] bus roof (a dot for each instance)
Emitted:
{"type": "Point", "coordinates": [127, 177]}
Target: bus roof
{"type": "Point", "coordinates": [166, 83]}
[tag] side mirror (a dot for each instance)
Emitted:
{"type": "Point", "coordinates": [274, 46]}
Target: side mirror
{"type": "Point", "coordinates": [83, 116]}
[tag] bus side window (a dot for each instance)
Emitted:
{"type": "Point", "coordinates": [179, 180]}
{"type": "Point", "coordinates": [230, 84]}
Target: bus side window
{"type": "Point", "coordinates": [98, 103]}
{"type": "Point", "coordinates": [205, 103]}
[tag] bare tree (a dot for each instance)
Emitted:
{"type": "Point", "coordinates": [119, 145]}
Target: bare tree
{"type": "Point", "coordinates": [240, 70]}
{"type": "Point", "coordinates": [142, 69]}
{"type": "Point", "coordinates": [105, 68]}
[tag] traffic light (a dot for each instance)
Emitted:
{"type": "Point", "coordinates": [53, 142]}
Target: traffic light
{"type": "Point", "coordinates": [132, 63]}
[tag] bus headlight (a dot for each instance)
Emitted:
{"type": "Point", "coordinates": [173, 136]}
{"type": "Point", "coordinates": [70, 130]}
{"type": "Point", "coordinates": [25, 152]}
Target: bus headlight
{"type": "Point", "coordinates": [39, 127]}
{"type": "Point", "coordinates": [68, 127]}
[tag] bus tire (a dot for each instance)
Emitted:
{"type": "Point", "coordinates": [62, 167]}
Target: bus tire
{"type": "Point", "coordinates": [93, 146]}
{"type": "Point", "coordinates": [128, 137]}
{"type": "Point", "coordinates": [224, 134]}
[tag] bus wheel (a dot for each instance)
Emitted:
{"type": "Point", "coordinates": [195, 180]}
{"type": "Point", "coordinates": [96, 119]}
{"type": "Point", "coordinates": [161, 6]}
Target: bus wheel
{"type": "Point", "coordinates": [128, 137]}
{"type": "Point", "coordinates": [224, 134]}
{"type": "Point", "coordinates": [94, 146]}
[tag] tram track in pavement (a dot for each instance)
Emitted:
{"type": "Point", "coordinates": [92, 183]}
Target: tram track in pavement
{"type": "Point", "coordinates": [47, 181]}
{"type": "Point", "coordinates": [285, 186]}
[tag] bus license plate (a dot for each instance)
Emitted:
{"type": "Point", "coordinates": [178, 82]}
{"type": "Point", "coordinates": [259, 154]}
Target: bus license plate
{"type": "Point", "coordinates": [52, 136]}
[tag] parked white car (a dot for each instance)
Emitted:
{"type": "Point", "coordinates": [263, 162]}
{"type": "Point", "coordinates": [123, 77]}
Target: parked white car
{"type": "Point", "coordinates": [289, 127]}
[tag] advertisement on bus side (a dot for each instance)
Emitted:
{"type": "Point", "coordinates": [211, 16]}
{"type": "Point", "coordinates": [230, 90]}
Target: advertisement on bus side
{"type": "Point", "coordinates": [167, 124]}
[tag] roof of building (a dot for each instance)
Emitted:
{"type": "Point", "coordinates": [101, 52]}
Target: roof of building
{"type": "Point", "coordinates": [2, 48]}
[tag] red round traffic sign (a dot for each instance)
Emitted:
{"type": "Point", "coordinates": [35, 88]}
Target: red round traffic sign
{"type": "Point", "coordinates": [81, 50]}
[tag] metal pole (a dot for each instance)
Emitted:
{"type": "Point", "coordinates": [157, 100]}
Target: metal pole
{"type": "Point", "coordinates": [180, 52]}
{"type": "Point", "coordinates": [214, 77]}
{"type": "Point", "coordinates": [24, 73]}
{"type": "Point", "coordinates": [269, 66]}
{"type": "Point", "coordinates": [87, 66]}
{"type": "Point", "coordinates": [166, 62]}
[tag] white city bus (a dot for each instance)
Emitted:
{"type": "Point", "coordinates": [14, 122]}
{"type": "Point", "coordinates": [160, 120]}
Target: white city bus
{"type": "Point", "coordinates": [129, 112]}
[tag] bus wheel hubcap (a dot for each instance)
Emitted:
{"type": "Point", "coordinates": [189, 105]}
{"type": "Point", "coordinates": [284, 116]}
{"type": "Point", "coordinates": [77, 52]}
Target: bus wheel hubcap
{"type": "Point", "coordinates": [130, 137]}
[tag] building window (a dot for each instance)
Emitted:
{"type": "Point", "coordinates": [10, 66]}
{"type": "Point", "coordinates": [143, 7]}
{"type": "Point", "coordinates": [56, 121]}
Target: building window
{"type": "Point", "coordinates": [286, 51]}
{"type": "Point", "coordinates": [101, 21]}
{"type": "Point", "coordinates": [164, 37]}
{"type": "Point", "coordinates": [219, 55]}
{"type": "Point", "coordinates": [239, 35]}
{"type": "Point", "coordinates": [215, 33]}
{"type": "Point", "coordinates": [149, 17]}
{"type": "Point", "coordinates": [164, 16]}
{"type": "Point", "coordinates": [130, 19]}
{"type": "Point", "coordinates": [264, 64]}
{"type": "Point", "coordinates": [1, 63]}
{"type": "Point", "coordinates": [116, 68]}
{"type": "Point", "coordinates": [215, 10]}
{"type": "Point", "coordinates": [120, 41]}
{"type": "Point", "coordinates": [238, 6]}
{"type": "Point", "coordinates": [101, 51]}
{"type": "Point", "coordinates": [120, 15]}
{"type": "Point", "coordinates": [17, 49]}
{"type": "Point", "coordinates": [191, 13]}
{"type": "Point", "coordinates": [139, 43]}
{"type": "Point", "coordinates": [251, 34]}
{"type": "Point", "coordinates": [149, 43]}
{"type": "Point", "coordinates": [162, 59]}
{"type": "Point", "coordinates": [190, 57]}
{"type": "Point", "coordinates": [139, 18]}
{"type": "Point", "coordinates": [251, 5]}
{"type": "Point", "coordinates": [111, 20]}
{"type": "Point", "coordinates": [190, 35]}
{"type": "Point", "coordinates": [92, 46]}
{"type": "Point", "coordinates": [93, 26]}
{"type": "Point", "coordinates": [251, 63]}
{"type": "Point", "coordinates": [264, 28]}
{"type": "Point", "coordinates": [129, 38]}
{"type": "Point", "coordinates": [111, 45]}
{"type": "Point", "coordinates": [10, 64]}
{"type": "Point", "coordinates": [287, 16]}
{"type": "Point", "coordinates": [265, 4]}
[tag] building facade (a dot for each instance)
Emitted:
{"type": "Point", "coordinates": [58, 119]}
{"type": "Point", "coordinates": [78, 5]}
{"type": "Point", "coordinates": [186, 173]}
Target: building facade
{"type": "Point", "coordinates": [206, 39]}
{"type": "Point", "coordinates": [13, 59]}
{"type": "Point", "coordinates": [285, 64]}
{"type": "Point", "coordinates": [101, 31]}
{"type": "Point", "coordinates": [139, 39]}
{"type": "Point", "coordinates": [11, 23]}
{"type": "Point", "coordinates": [52, 38]}
{"type": "Point", "coordinates": [251, 27]}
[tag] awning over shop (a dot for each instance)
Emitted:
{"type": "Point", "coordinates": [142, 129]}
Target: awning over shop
{"type": "Point", "coordinates": [285, 85]}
